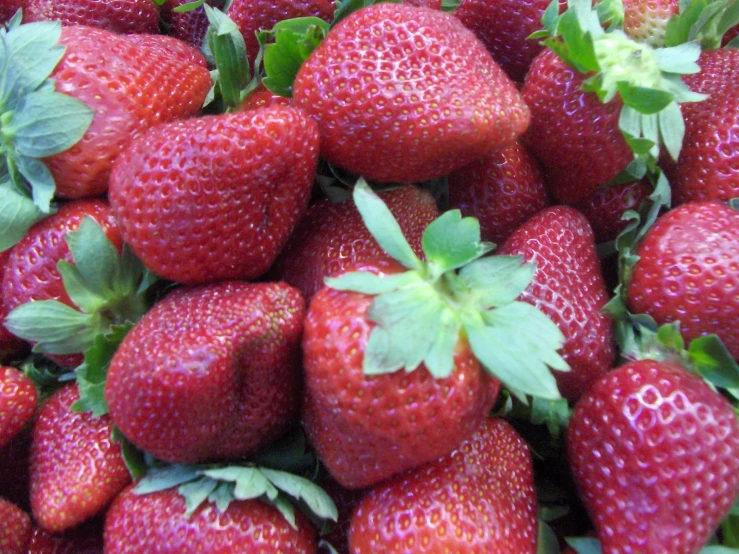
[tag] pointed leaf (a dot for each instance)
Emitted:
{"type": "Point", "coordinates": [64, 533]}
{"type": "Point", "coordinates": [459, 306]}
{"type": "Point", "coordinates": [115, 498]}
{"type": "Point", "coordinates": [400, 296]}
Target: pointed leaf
{"type": "Point", "coordinates": [369, 283]}
{"type": "Point", "coordinates": [714, 362]}
{"type": "Point", "coordinates": [584, 545]}
{"type": "Point", "coordinates": [196, 492]}
{"type": "Point", "coordinates": [77, 289]}
{"type": "Point", "coordinates": [96, 258]}
{"type": "Point", "coordinates": [222, 496]}
{"type": "Point", "coordinates": [672, 129]}
{"type": "Point", "coordinates": [132, 456]}
{"type": "Point", "coordinates": [17, 214]}
{"type": "Point", "coordinates": [287, 510]}
{"type": "Point", "coordinates": [47, 321]}
{"type": "Point", "coordinates": [642, 99]}
{"type": "Point", "coordinates": [498, 280]}
{"type": "Point", "coordinates": [228, 48]}
{"type": "Point", "coordinates": [160, 479]}
{"type": "Point", "coordinates": [450, 241]}
{"type": "Point", "coordinates": [298, 487]}
{"type": "Point", "coordinates": [679, 59]}
{"type": "Point", "coordinates": [41, 180]}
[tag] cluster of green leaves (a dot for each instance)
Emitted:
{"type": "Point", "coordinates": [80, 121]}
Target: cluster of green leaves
{"type": "Point", "coordinates": [703, 21]}
{"type": "Point", "coordinates": [35, 122]}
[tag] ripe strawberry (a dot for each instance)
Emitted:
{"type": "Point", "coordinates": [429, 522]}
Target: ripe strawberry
{"type": "Point", "coordinates": [84, 539]}
{"type": "Point", "coordinates": [605, 207]}
{"type": "Point", "coordinates": [646, 20]}
{"type": "Point", "coordinates": [18, 401]}
{"type": "Point", "coordinates": [215, 197]}
{"type": "Point", "coordinates": [687, 270]}
{"type": "Point", "coordinates": [254, 15]}
{"type": "Point", "coordinates": [10, 346]}
{"type": "Point", "coordinates": [376, 86]}
{"type": "Point", "coordinates": [569, 288]}
{"type": "Point", "coordinates": [708, 167]}
{"type": "Point", "coordinates": [262, 97]}
{"type": "Point", "coordinates": [15, 530]}
{"type": "Point", "coordinates": [76, 468]}
{"type": "Point", "coordinates": [655, 454]}
{"type": "Point", "coordinates": [504, 28]}
{"type": "Point", "coordinates": [479, 498]}
{"type": "Point", "coordinates": [155, 523]}
{"type": "Point", "coordinates": [331, 236]}
{"type": "Point", "coordinates": [210, 373]}
{"type": "Point", "coordinates": [127, 16]}
{"type": "Point", "coordinates": [130, 89]}
{"type": "Point", "coordinates": [502, 190]}
{"type": "Point", "coordinates": [189, 26]}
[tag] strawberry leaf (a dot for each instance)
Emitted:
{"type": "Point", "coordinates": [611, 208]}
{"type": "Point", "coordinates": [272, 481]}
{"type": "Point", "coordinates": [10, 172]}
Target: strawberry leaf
{"type": "Point", "coordinates": [497, 280]}
{"type": "Point", "coordinates": [451, 242]}
{"type": "Point", "coordinates": [546, 542]}
{"type": "Point", "coordinates": [227, 46]}
{"type": "Point", "coordinates": [55, 327]}
{"type": "Point", "coordinates": [714, 362]}
{"type": "Point", "coordinates": [300, 488]}
{"type": "Point", "coordinates": [584, 545]}
{"type": "Point", "coordinates": [555, 414]}
{"type": "Point", "coordinates": [196, 492]}
{"type": "Point", "coordinates": [134, 458]}
{"type": "Point", "coordinates": [167, 477]}
{"type": "Point", "coordinates": [190, 6]}
{"type": "Point", "coordinates": [17, 214]}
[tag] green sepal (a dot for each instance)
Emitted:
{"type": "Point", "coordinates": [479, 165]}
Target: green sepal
{"type": "Point", "coordinates": [448, 6]}
{"type": "Point", "coordinates": [294, 41]}
{"type": "Point", "coordinates": [196, 492]}
{"type": "Point", "coordinates": [226, 45]}
{"type": "Point", "coordinates": [134, 458]}
{"type": "Point", "coordinates": [555, 414]}
{"type": "Point", "coordinates": [289, 453]}
{"type": "Point", "coordinates": [190, 6]}
{"type": "Point", "coordinates": [711, 358]}
{"type": "Point", "coordinates": [18, 213]}
{"type": "Point", "coordinates": [40, 179]}
{"type": "Point", "coordinates": [644, 100]}
{"type": "Point", "coordinates": [610, 13]}
{"type": "Point", "coordinates": [705, 21]}
{"type": "Point", "coordinates": [305, 490]}
{"type": "Point", "coordinates": [369, 283]}
{"type": "Point", "coordinates": [167, 477]}
{"type": "Point", "coordinates": [497, 280]}
{"type": "Point", "coordinates": [451, 241]}
{"type": "Point", "coordinates": [546, 542]}
{"type": "Point", "coordinates": [584, 545]}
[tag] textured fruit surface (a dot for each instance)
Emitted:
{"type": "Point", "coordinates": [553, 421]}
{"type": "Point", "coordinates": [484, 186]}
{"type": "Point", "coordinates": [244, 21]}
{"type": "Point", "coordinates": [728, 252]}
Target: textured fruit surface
{"type": "Point", "coordinates": [157, 522]}
{"type": "Point", "coordinates": [688, 271]}
{"type": "Point", "coordinates": [210, 373]}
{"type": "Point", "coordinates": [573, 135]}
{"type": "Point", "coordinates": [215, 197]}
{"type": "Point", "coordinates": [655, 454]}
{"type": "Point", "coordinates": [480, 499]}
{"type": "Point", "coordinates": [10, 345]}
{"type": "Point", "coordinates": [368, 428]}
{"type": "Point", "coordinates": [406, 94]}
{"type": "Point", "coordinates": [331, 236]}
{"type": "Point", "coordinates": [569, 288]}
{"type": "Point", "coordinates": [123, 16]}
{"type": "Point", "coordinates": [189, 26]}
{"type": "Point", "coordinates": [18, 400]}
{"type": "Point", "coordinates": [708, 167]}
{"type": "Point", "coordinates": [15, 529]}
{"type": "Point", "coordinates": [130, 87]}
{"type": "Point", "coordinates": [502, 190]}
{"type": "Point", "coordinates": [646, 20]}
{"type": "Point", "coordinates": [76, 468]}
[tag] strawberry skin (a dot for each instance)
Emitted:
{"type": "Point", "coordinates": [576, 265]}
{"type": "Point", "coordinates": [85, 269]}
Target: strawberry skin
{"type": "Point", "coordinates": [76, 469]}
{"type": "Point", "coordinates": [646, 20]}
{"type": "Point", "coordinates": [368, 428]}
{"type": "Point", "coordinates": [130, 88]}
{"type": "Point", "coordinates": [15, 530]}
{"type": "Point", "coordinates": [655, 455]}
{"type": "Point", "coordinates": [127, 16]}
{"type": "Point", "coordinates": [687, 272]}
{"type": "Point", "coordinates": [502, 190]}
{"type": "Point", "coordinates": [378, 87]}
{"type": "Point", "coordinates": [10, 345]}
{"type": "Point", "coordinates": [84, 539]}
{"type": "Point", "coordinates": [18, 401]}
{"type": "Point", "coordinates": [574, 136]}
{"type": "Point", "coordinates": [210, 373]}
{"type": "Point", "coordinates": [157, 522]}
{"type": "Point", "coordinates": [332, 236]}
{"type": "Point", "coordinates": [215, 197]}
{"type": "Point", "coordinates": [708, 167]}
{"type": "Point", "coordinates": [190, 26]}
{"type": "Point", "coordinates": [478, 499]}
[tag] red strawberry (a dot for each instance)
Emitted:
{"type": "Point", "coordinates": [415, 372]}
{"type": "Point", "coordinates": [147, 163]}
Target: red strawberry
{"type": "Point", "coordinates": [504, 28]}
{"type": "Point", "coordinates": [76, 468]}
{"type": "Point", "coordinates": [569, 288]}
{"type": "Point", "coordinates": [127, 16]}
{"type": "Point", "coordinates": [18, 401]}
{"type": "Point", "coordinates": [10, 346]}
{"type": "Point", "coordinates": [210, 373]}
{"type": "Point", "coordinates": [605, 207]}
{"type": "Point", "coordinates": [480, 498]}
{"type": "Point", "coordinates": [262, 97]}
{"type": "Point", "coordinates": [189, 26]}
{"type": "Point", "coordinates": [646, 20]}
{"type": "Point", "coordinates": [215, 197]}
{"type": "Point", "coordinates": [655, 454]}
{"type": "Point", "coordinates": [708, 166]}
{"type": "Point", "coordinates": [331, 236]}
{"type": "Point", "coordinates": [502, 190]}
{"type": "Point", "coordinates": [254, 15]}
{"type": "Point", "coordinates": [687, 272]}
{"type": "Point", "coordinates": [130, 88]}
{"type": "Point", "coordinates": [157, 522]}
{"type": "Point", "coordinates": [377, 87]}
{"type": "Point", "coordinates": [84, 539]}
{"type": "Point", "coordinates": [15, 530]}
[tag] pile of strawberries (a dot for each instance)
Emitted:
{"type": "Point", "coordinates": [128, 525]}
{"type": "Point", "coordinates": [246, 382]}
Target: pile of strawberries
{"type": "Point", "coordinates": [368, 277]}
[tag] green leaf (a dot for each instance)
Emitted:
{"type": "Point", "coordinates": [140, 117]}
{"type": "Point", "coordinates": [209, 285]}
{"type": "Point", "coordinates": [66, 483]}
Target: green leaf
{"type": "Point", "coordinates": [451, 241]}
{"type": "Point", "coordinates": [290, 453]}
{"type": "Point", "coordinates": [382, 224]}
{"type": "Point", "coordinates": [132, 456]}
{"type": "Point", "coordinates": [714, 362]}
{"type": "Point", "coordinates": [226, 44]}
{"type": "Point", "coordinates": [547, 542]}
{"type": "Point", "coordinates": [167, 477]}
{"type": "Point", "coordinates": [190, 6]}
{"type": "Point", "coordinates": [584, 545]}
{"type": "Point", "coordinates": [56, 327]}
{"type": "Point", "coordinates": [642, 99]}
{"type": "Point", "coordinates": [679, 59]}
{"type": "Point", "coordinates": [369, 283]}
{"type": "Point", "coordinates": [497, 280]}
{"type": "Point", "coordinates": [250, 482]}
{"type": "Point", "coordinates": [672, 129]}
{"type": "Point", "coordinates": [554, 413]}
{"type": "Point", "coordinates": [717, 549]}
{"type": "Point", "coordinates": [95, 257]}
{"type": "Point", "coordinates": [285, 508]}
{"type": "Point", "coordinates": [222, 496]}
{"type": "Point", "coordinates": [298, 487]}
{"type": "Point", "coordinates": [78, 291]}
{"type": "Point", "coordinates": [196, 492]}
{"type": "Point", "coordinates": [41, 181]}
{"type": "Point", "coordinates": [17, 214]}
{"type": "Point", "coordinates": [47, 123]}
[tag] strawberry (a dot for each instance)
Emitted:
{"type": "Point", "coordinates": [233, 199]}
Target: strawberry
{"type": "Point", "coordinates": [707, 168]}
{"type": "Point", "coordinates": [84, 539]}
{"type": "Point", "coordinates": [10, 346]}
{"type": "Point", "coordinates": [359, 100]}
{"type": "Point", "coordinates": [76, 468]}
{"type": "Point", "coordinates": [331, 236]}
{"type": "Point", "coordinates": [127, 16]}
{"type": "Point", "coordinates": [686, 271]}
{"type": "Point", "coordinates": [646, 20]}
{"type": "Point", "coordinates": [569, 288]}
{"type": "Point", "coordinates": [209, 373]}
{"type": "Point", "coordinates": [15, 530]}
{"type": "Point", "coordinates": [189, 26]}
{"type": "Point", "coordinates": [18, 400]}
{"type": "Point", "coordinates": [502, 190]}
{"type": "Point", "coordinates": [215, 197]}
{"type": "Point", "coordinates": [655, 454]}
{"type": "Point", "coordinates": [479, 498]}
{"type": "Point", "coordinates": [504, 28]}
{"type": "Point", "coordinates": [157, 522]}
{"type": "Point", "coordinates": [369, 421]}
{"type": "Point", "coordinates": [262, 97]}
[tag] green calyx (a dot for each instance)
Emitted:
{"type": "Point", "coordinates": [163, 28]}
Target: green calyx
{"type": "Point", "coordinates": [35, 122]}
{"type": "Point", "coordinates": [456, 293]}
{"type": "Point", "coordinates": [702, 21]}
